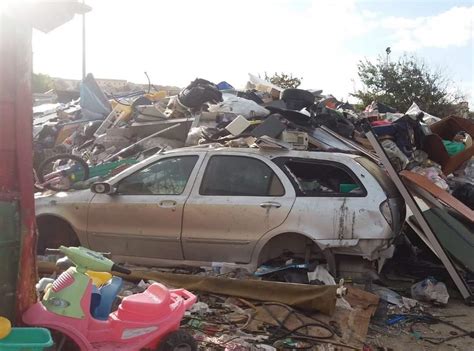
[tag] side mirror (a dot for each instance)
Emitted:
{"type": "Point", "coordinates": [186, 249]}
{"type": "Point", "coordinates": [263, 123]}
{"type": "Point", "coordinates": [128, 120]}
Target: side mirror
{"type": "Point", "coordinates": [102, 188]}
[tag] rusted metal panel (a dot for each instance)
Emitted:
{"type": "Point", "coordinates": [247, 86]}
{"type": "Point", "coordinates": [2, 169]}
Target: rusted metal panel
{"type": "Point", "coordinates": [423, 183]}
{"type": "Point", "coordinates": [17, 228]}
{"type": "Point", "coordinates": [26, 293]}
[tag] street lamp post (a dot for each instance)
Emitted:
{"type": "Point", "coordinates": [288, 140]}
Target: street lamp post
{"type": "Point", "coordinates": [83, 43]}
{"type": "Point", "coordinates": [388, 51]}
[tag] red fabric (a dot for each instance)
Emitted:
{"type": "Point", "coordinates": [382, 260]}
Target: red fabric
{"type": "Point", "coordinates": [380, 123]}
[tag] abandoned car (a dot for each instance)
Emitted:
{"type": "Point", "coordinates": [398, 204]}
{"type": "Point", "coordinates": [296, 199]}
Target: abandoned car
{"type": "Point", "coordinates": [241, 206]}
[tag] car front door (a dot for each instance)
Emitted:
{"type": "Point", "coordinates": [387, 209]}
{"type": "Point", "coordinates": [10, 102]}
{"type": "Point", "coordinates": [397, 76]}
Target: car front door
{"type": "Point", "coordinates": [143, 218]}
{"type": "Point", "coordinates": [238, 200]}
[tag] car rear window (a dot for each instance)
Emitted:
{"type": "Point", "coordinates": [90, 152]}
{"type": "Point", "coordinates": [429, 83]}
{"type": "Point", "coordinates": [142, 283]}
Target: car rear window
{"type": "Point", "coordinates": [316, 178]}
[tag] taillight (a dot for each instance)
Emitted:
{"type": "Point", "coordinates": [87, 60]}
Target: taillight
{"type": "Point", "coordinates": [386, 212]}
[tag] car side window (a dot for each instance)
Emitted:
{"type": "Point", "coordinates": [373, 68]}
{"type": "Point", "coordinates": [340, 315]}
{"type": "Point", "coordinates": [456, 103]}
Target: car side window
{"type": "Point", "coordinates": [240, 176]}
{"type": "Point", "coordinates": [322, 179]}
{"type": "Point", "coordinates": [168, 176]}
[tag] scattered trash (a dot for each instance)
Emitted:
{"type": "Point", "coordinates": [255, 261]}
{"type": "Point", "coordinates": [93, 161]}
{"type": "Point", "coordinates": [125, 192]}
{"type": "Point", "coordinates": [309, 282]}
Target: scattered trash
{"type": "Point", "coordinates": [321, 275]}
{"type": "Point", "coordinates": [387, 295]}
{"type": "Point", "coordinates": [235, 105]}
{"type": "Point", "coordinates": [200, 308]}
{"type": "Point", "coordinates": [430, 290]}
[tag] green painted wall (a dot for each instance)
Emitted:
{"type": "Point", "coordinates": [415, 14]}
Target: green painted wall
{"type": "Point", "coordinates": [9, 256]}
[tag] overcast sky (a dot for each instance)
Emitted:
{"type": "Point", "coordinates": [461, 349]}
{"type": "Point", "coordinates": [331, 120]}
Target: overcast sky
{"type": "Point", "coordinates": [321, 41]}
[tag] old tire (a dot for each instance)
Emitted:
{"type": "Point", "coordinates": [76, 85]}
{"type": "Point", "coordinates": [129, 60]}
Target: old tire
{"type": "Point", "coordinates": [179, 340]}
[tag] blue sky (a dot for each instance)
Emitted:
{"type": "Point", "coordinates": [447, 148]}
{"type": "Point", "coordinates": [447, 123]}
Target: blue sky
{"type": "Point", "coordinates": [322, 41]}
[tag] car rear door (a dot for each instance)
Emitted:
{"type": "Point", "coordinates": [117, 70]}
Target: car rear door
{"type": "Point", "coordinates": [237, 198]}
{"type": "Point", "coordinates": [144, 217]}
{"type": "Point", "coordinates": [331, 201]}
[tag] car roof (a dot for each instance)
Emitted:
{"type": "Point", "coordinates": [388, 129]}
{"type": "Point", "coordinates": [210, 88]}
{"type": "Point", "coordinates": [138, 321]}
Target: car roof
{"type": "Point", "coordinates": [219, 149]}
{"type": "Point", "coordinates": [269, 153]}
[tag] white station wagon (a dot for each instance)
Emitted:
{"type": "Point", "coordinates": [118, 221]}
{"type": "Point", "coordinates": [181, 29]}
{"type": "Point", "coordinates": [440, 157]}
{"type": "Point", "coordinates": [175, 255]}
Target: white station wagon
{"type": "Point", "coordinates": [195, 206]}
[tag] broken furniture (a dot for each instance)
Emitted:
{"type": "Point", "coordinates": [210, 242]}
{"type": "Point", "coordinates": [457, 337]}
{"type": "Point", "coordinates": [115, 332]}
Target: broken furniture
{"type": "Point", "coordinates": [446, 129]}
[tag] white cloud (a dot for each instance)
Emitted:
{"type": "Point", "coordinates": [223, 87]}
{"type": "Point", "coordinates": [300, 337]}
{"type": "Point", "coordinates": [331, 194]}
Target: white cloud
{"type": "Point", "coordinates": [177, 41]}
{"type": "Point", "coordinates": [452, 28]}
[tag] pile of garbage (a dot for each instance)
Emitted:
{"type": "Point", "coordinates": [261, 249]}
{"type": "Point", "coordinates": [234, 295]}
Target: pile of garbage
{"type": "Point", "coordinates": [99, 135]}
{"type": "Point", "coordinates": [114, 131]}
{"type": "Point", "coordinates": [249, 313]}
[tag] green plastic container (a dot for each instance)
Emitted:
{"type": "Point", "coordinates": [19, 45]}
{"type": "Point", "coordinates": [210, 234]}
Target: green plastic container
{"type": "Point", "coordinates": [453, 147]}
{"type": "Point", "coordinates": [27, 339]}
{"type": "Point", "coordinates": [347, 188]}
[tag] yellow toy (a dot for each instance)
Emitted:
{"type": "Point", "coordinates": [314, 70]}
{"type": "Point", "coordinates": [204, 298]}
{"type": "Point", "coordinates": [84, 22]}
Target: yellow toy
{"type": "Point", "coordinates": [5, 327]}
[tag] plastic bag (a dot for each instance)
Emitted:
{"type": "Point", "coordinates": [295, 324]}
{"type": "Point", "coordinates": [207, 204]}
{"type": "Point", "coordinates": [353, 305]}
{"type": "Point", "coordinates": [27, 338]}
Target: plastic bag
{"type": "Point", "coordinates": [321, 274]}
{"type": "Point", "coordinates": [394, 153]}
{"type": "Point", "coordinates": [199, 92]}
{"type": "Point", "coordinates": [239, 106]}
{"type": "Point", "coordinates": [430, 290]}
{"type": "Point", "coordinates": [414, 110]}
{"type": "Point", "coordinates": [194, 135]}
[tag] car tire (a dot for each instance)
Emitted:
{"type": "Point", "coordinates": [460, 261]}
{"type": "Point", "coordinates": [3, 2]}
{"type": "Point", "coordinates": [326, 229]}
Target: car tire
{"type": "Point", "coordinates": [178, 340]}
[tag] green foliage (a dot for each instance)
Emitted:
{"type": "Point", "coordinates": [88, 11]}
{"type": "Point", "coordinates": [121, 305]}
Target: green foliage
{"type": "Point", "coordinates": [41, 83]}
{"type": "Point", "coordinates": [409, 79]}
{"type": "Point", "coordinates": [284, 80]}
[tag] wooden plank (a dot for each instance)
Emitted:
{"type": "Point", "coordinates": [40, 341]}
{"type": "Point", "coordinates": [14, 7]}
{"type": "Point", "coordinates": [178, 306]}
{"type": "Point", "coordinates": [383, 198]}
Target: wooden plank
{"type": "Point", "coordinates": [438, 193]}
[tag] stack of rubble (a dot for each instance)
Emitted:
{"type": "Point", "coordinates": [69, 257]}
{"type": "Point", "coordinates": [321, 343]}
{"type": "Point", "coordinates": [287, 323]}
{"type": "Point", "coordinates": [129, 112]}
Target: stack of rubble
{"type": "Point", "coordinates": [102, 129]}
{"type": "Point", "coordinates": [434, 157]}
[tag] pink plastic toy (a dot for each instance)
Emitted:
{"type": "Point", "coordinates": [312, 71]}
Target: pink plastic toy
{"type": "Point", "coordinates": [147, 320]}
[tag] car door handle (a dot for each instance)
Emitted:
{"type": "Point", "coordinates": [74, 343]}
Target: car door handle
{"type": "Point", "coordinates": [167, 203]}
{"type": "Point", "coordinates": [270, 204]}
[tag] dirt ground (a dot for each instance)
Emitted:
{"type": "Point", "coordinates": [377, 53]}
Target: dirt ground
{"type": "Point", "coordinates": [401, 339]}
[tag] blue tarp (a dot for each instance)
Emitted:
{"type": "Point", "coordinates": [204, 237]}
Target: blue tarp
{"type": "Point", "coordinates": [94, 103]}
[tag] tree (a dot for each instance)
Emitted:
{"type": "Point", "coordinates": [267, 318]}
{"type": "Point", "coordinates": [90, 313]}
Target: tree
{"type": "Point", "coordinates": [409, 79]}
{"type": "Point", "coordinates": [284, 80]}
{"type": "Point", "coordinates": [41, 83]}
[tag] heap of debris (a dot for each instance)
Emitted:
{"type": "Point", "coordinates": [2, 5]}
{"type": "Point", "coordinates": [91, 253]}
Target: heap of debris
{"type": "Point", "coordinates": [430, 159]}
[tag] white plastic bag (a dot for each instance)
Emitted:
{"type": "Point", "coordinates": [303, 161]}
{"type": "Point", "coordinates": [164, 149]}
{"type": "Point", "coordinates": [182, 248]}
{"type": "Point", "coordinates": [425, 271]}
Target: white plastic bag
{"type": "Point", "coordinates": [321, 274]}
{"type": "Point", "coordinates": [430, 290]}
{"type": "Point", "coordinates": [239, 106]}
{"type": "Point", "coordinates": [414, 109]}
